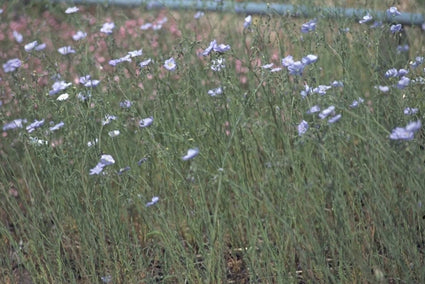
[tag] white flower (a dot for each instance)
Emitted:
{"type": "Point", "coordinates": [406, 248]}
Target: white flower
{"type": "Point", "coordinates": [63, 97]}
{"type": "Point", "coordinates": [71, 10]}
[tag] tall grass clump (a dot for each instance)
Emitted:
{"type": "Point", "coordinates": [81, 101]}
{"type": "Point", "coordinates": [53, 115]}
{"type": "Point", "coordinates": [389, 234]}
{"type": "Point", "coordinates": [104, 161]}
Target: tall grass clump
{"type": "Point", "coordinates": [143, 146]}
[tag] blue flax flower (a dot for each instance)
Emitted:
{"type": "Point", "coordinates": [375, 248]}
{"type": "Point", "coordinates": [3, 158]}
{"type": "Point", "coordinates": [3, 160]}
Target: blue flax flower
{"type": "Point", "coordinates": [170, 64]}
{"type": "Point", "coordinates": [66, 50]}
{"type": "Point", "coordinates": [392, 12]}
{"type": "Point", "coordinates": [302, 127]}
{"type": "Point", "coordinates": [309, 26]}
{"type": "Point", "coordinates": [366, 19]}
{"type": "Point", "coordinates": [334, 118]}
{"type": "Point", "coordinates": [36, 124]}
{"type": "Point", "coordinates": [79, 35]}
{"type": "Point", "coordinates": [326, 112]}
{"type": "Point", "coordinates": [107, 28]}
{"type": "Point", "coordinates": [59, 86]}
{"type": "Point", "coordinates": [17, 123]}
{"type": "Point", "coordinates": [403, 82]}
{"type": "Point", "coordinates": [406, 133]}
{"type": "Point", "coordinates": [11, 65]}
{"type": "Point", "coordinates": [191, 153]}
{"type": "Point", "coordinates": [154, 200]}
{"type": "Point", "coordinates": [146, 122]}
{"type": "Point", "coordinates": [396, 28]}
{"type": "Point", "coordinates": [57, 126]}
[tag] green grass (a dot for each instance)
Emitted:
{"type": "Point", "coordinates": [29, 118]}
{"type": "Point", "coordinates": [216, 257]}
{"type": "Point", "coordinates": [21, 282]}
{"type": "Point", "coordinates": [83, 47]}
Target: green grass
{"type": "Point", "coordinates": [259, 204]}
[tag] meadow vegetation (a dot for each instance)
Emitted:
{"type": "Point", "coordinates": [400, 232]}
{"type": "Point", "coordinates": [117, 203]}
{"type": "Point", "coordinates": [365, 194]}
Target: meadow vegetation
{"type": "Point", "coordinates": [289, 150]}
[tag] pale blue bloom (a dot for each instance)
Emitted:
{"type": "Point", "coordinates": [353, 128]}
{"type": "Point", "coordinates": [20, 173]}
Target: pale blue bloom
{"type": "Point", "coordinates": [410, 111]}
{"type": "Point", "coordinates": [356, 103]}
{"type": "Point", "coordinates": [79, 35]}
{"type": "Point", "coordinates": [396, 28]}
{"type": "Point", "coordinates": [57, 126]}
{"type": "Point", "coordinates": [106, 278]}
{"type": "Point", "coordinates": [414, 126]}
{"type": "Point", "coordinates": [406, 133]}
{"type": "Point", "coordinates": [392, 12]}
{"type": "Point", "coordinates": [142, 160]}
{"type": "Point", "coordinates": [17, 123]}
{"type": "Point", "coordinates": [296, 68]}
{"type": "Point", "coordinates": [11, 65]}
{"type": "Point", "coordinates": [59, 86]}
{"type": "Point", "coordinates": [403, 48]}
{"type": "Point", "coordinates": [321, 89]}
{"type": "Point", "coordinates": [126, 104]}
{"type": "Point", "coordinates": [221, 48]}
{"type": "Point", "coordinates": [199, 15]}
{"type": "Point", "coordinates": [403, 82]}
{"type": "Point", "coordinates": [307, 91]}
{"type": "Point", "coordinates": [88, 82]}
{"type": "Point", "coordinates": [337, 84]}
{"type": "Point", "coordinates": [66, 50]}
{"type": "Point", "coordinates": [313, 109]}
{"type": "Point", "coordinates": [302, 127]}
{"type": "Point", "coordinates": [309, 26]}
{"type": "Point", "coordinates": [376, 24]}
{"type": "Point", "coordinates": [309, 59]}
{"type": "Point", "coordinates": [114, 62]}
{"type": "Point", "coordinates": [366, 19]}
{"type": "Point", "coordinates": [145, 63]}
{"type": "Point", "coordinates": [83, 98]}
{"type": "Point", "coordinates": [107, 160]}
{"type": "Point", "coordinates": [33, 126]}
{"type": "Point", "coordinates": [402, 72]}
{"type": "Point", "coordinates": [18, 37]}
{"type": "Point", "coordinates": [170, 64]}
{"type": "Point", "coordinates": [287, 61]}
{"type": "Point", "coordinates": [107, 28]}
{"type": "Point", "coordinates": [334, 119]}
{"type": "Point", "coordinates": [146, 26]}
{"type": "Point", "coordinates": [215, 92]}
{"type": "Point", "coordinates": [208, 50]}
{"type": "Point", "coordinates": [108, 119]}
{"type": "Point", "coordinates": [155, 199]}
{"type": "Point", "coordinates": [267, 66]}
{"type": "Point", "coordinates": [123, 170]}
{"type": "Point", "coordinates": [391, 73]}
{"type": "Point", "coordinates": [248, 21]}
{"type": "Point", "coordinates": [384, 89]}
{"type": "Point", "coordinates": [97, 169]}
{"type": "Point", "coordinates": [191, 153]}
{"type": "Point", "coordinates": [418, 61]}
{"type": "Point", "coordinates": [30, 46]}
{"type": "Point", "coordinates": [146, 122]}
{"type": "Point", "coordinates": [41, 46]}
{"type": "Point", "coordinates": [326, 112]}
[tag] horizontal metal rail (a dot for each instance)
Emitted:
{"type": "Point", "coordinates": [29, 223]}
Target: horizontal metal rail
{"type": "Point", "coordinates": [262, 8]}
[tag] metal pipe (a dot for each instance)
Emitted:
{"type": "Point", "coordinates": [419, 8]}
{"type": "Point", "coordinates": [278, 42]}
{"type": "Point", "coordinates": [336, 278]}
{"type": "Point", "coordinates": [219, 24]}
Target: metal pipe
{"type": "Point", "coordinates": [262, 8]}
